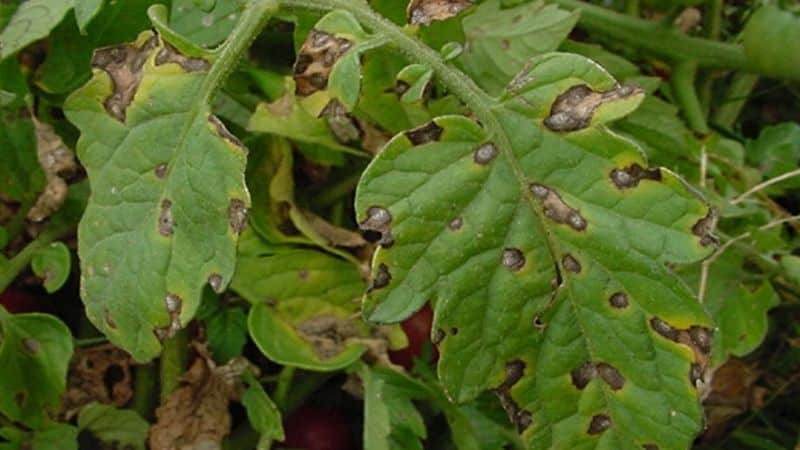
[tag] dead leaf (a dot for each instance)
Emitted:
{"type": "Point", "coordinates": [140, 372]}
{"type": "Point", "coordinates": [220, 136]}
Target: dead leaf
{"type": "Point", "coordinates": [423, 12]}
{"type": "Point", "coordinates": [57, 162]}
{"type": "Point", "coordinates": [316, 59]}
{"type": "Point", "coordinates": [688, 19]}
{"type": "Point", "coordinates": [327, 334]}
{"type": "Point", "coordinates": [196, 415]}
{"type": "Point", "coordinates": [732, 393]}
{"type": "Point", "coordinates": [97, 374]}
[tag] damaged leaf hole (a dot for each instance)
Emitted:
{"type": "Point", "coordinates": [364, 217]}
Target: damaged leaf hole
{"type": "Point", "coordinates": [538, 323]}
{"type": "Point", "coordinates": [425, 134]}
{"type": "Point", "coordinates": [556, 209]}
{"type": "Point", "coordinates": [573, 110]}
{"type": "Point", "coordinates": [485, 154]}
{"type": "Point", "coordinates": [166, 225]}
{"type": "Point", "coordinates": [237, 215]}
{"type": "Point", "coordinates": [571, 264]}
{"type": "Point", "coordinates": [630, 176]}
{"type": "Point", "coordinates": [599, 424]}
{"type": "Point", "coordinates": [513, 259]}
{"type": "Point", "coordinates": [378, 221]}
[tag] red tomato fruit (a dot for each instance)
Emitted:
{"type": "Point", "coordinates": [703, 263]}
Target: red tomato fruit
{"type": "Point", "coordinates": [18, 301]}
{"type": "Point", "coordinates": [418, 330]}
{"type": "Point", "coordinates": [316, 428]}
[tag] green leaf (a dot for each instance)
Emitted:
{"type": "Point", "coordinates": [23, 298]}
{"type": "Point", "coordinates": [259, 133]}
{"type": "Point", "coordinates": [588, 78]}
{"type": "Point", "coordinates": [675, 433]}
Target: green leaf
{"type": "Point", "coordinates": [500, 41]}
{"type": "Point", "coordinates": [56, 436]}
{"type": "Point", "coordinates": [262, 413]}
{"type": "Point", "coordinates": [203, 26]}
{"type": "Point", "coordinates": [771, 40]}
{"type": "Point", "coordinates": [32, 21]}
{"type": "Point", "coordinates": [52, 264]}
{"type": "Point", "coordinates": [391, 421]}
{"type": "Point", "coordinates": [21, 177]}
{"type": "Point", "coordinates": [35, 350]}
{"type": "Point", "coordinates": [415, 79]}
{"type": "Point", "coordinates": [227, 333]}
{"type": "Point", "coordinates": [168, 195]}
{"type": "Point", "coordinates": [543, 244]}
{"type": "Point", "coordinates": [303, 306]}
{"type": "Point", "coordinates": [775, 152]}
{"type": "Point", "coordinates": [85, 11]}
{"type": "Point", "coordinates": [108, 424]}
{"type": "Point", "coordinates": [791, 266]}
{"type": "Point", "coordinates": [7, 10]}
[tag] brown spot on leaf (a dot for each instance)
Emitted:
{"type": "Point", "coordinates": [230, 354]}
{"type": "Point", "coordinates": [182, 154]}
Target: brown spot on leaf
{"type": "Point", "coordinates": [343, 125]}
{"type": "Point", "coordinates": [382, 278]}
{"type": "Point", "coordinates": [618, 300]}
{"type": "Point", "coordinates": [582, 375]}
{"type": "Point", "coordinates": [454, 331]}
{"type": "Point", "coordinates": [515, 369]}
{"type": "Point", "coordinates": [556, 209]}
{"type": "Point", "coordinates": [315, 61]}
{"type": "Point", "coordinates": [697, 338]}
{"type": "Point", "coordinates": [538, 323]}
{"type": "Point", "coordinates": [631, 176]}
{"type": "Point", "coordinates": [123, 64]}
{"type": "Point", "coordinates": [423, 12]}
{"type": "Point", "coordinates": [611, 376]}
{"type": "Point", "coordinates": [573, 110]}
{"type": "Point", "coordinates": [456, 224]}
{"type": "Point", "coordinates": [379, 220]}
{"type": "Point", "coordinates": [170, 54]}
{"type": "Point", "coordinates": [513, 259]}
{"type": "Point", "coordinates": [599, 424]}
{"type": "Point", "coordinates": [223, 132]}
{"type": "Point", "coordinates": [174, 305]}
{"type": "Point", "coordinates": [702, 338]}
{"type": "Point", "coordinates": [31, 345]}
{"type": "Point", "coordinates": [327, 334]}
{"type": "Point", "coordinates": [166, 225]}
{"type": "Point", "coordinates": [161, 170]}
{"type": "Point", "coordinates": [425, 134]}
{"type": "Point", "coordinates": [664, 329]}
{"type": "Point", "coordinates": [704, 228]}
{"type": "Point", "coordinates": [485, 154]}
{"type": "Point", "coordinates": [216, 282]}
{"type": "Point", "coordinates": [695, 374]}
{"type": "Point", "coordinates": [571, 264]}
{"type": "Point", "coordinates": [524, 419]}
{"type": "Point", "coordinates": [237, 215]}
{"type": "Point", "coordinates": [438, 336]}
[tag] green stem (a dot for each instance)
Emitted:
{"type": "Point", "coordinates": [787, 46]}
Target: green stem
{"type": "Point", "coordinates": [144, 390]}
{"type": "Point", "coordinates": [87, 342]}
{"type": "Point", "coordinates": [739, 90]}
{"type": "Point", "coordinates": [227, 57]}
{"type": "Point", "coordinates": [682, 80]}
{"type": "Point", "coordinates": [664, 42]}
{"type": "Point", "coordinates": [712, 27]}
{"type": "Point", "coordinates": [281, 393]}
{"type": "Point", "coordinates": [173, 362]}
{"type": "Point", "coordinates": [15, 225]}
{"type": "Point", "coordinates": [21, 260]}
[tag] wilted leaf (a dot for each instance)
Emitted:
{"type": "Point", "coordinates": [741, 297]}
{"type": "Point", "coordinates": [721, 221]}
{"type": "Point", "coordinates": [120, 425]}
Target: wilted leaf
{"type": "Point", "coordinates": [168, 195]}
{"type": "Point", "coordinates": [391, 421]}
{"type": "Point", "coordinates": [57, 162]}
{"type": "Point", "coordinates": [124, 427]}
{"type": "Point", "coordinates": [500, 41]}
{"type": "Point", "coordinates": [304, 307]}
{"type": "Point", "coordinates": [52, 264]}
{"type": "Point", "coordinates": [542, 242]}
{"type": "Point", "coordinates": [33, 20]}
{"type": "Point", "coordinates": [34, 354]}
{"type": "Point", "coordinates": [196, 415]}
{"type": "Point", "coordinates": [262, 413]}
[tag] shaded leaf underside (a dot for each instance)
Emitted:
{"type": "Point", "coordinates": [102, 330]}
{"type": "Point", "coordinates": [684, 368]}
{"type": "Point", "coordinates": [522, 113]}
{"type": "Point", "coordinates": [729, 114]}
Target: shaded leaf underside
{"type": "Point", "coordinates": [168, 194]}
{"type": "Point", "coordinates": [544, 253]}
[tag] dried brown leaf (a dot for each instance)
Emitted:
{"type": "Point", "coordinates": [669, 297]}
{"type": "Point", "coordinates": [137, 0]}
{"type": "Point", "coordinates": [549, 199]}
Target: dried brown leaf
{"type": "Point", "coordinates": [423, 12]}
{"type": "Point", "coordinates": [315, 61]}
{"type": "Point", "coordinates": [97, 374]}
{"type": "Point", "coordinates": [57, 162]}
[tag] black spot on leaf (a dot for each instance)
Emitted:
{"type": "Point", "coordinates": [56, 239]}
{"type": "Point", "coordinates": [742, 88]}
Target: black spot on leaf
{"type": "Point", "coordinates": [379, 220]}
{"type": "Point", "coordinates": [571, 264]}
{"type": "Point", "coordinates": [382, 278]}
{"type": "Point", "coordinates": [631, 176]}
{"type": "Point", "coordinates": [513, 259]}
{"type": "Point", "coordinates": [702, 338]}
{"type": "Point", "coordinates": [573, 110]}
{"type": "Point", "coordinates": [316, 59]}
{"type": "Point", "coordinates": [599, 424]}
{"type": "Point", "coordinates": [582, 375]}
{"type": "Point", "coordinates": [704, 228]}
{"type": "Point", "coordinates": [556, 209]}
{"type": "Point", "coordinates": [664, 329]}
{"type": "Point", "coordinates": [618, 300]}
{"type": "Point", "coordinates": [538, 323]}
{"type": "Point", "coordinates": [161, 170]}
{"type": "Point", "coordinates": [425, 134]}
{"type": "Point", "coordinates": [611, 376]}
{"type": "Point", "coordinates": [485, 154]}
{"type": "Point", "coordinates": [166, 225]}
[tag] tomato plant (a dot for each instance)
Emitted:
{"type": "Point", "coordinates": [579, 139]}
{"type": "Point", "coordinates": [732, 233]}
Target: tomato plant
{"type": "Point", "coordinates": [440, 224]}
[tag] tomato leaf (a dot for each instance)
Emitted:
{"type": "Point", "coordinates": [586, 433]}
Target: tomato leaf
{"type": "Point", "coordinates": [541, 243]}
{"type": "Point", "coordinates": [111, 425]}
{"type": "Point", "coordinates": [33, 20]}
{"type": "Point", "coordinates": [35, 350]}
{"type": "Point", "coordinates": [168, 195]}
{"type": "Point", "coordinates": [262, 413]}
{"type": "Point", "coordinates": [227, 333]}
{"type": "Point", "coordinates": [390, 418]}
{"type": "Point", "coordinates": [52, 264]}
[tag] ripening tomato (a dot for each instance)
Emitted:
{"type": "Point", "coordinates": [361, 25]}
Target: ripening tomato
{"type": "Point", "coordinates": [317, 428]}
{"type": "Point", "coordinates": [418, 329]}
{"type": "Point", "coordinates": [19, 301]}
